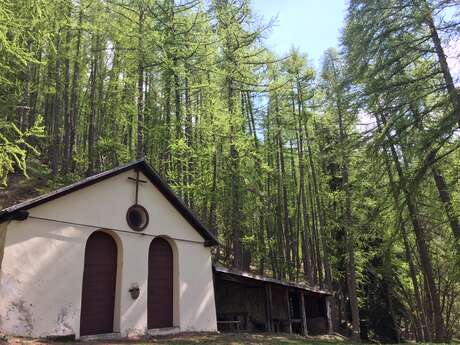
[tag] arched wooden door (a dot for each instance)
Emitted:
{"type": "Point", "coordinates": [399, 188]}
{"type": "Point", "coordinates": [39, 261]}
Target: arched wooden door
{"type": "Point", "coordinates": [99, 282]}
{"type": "Point", "coordinates": [160, 285]}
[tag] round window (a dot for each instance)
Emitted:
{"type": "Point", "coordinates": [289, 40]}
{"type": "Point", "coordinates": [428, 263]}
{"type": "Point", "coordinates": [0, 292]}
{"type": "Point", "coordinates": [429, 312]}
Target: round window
{"type": "Point", "coordinates": [137, 217]}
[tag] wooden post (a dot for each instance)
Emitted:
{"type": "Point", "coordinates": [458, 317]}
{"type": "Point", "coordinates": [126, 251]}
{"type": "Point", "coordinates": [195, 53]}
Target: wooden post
{"type": "Point", "coordinates": [288, 311]}
{"type": "Point", "coordinates": [304, 314]}
{"type": "Point", "coordinates": [268, 307]}
{"type": "Point", "coordinates": [329, 315]}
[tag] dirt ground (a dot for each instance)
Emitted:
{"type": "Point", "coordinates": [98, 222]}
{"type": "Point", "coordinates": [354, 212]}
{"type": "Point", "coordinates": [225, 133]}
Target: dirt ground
{"type": "Point", "coordinates": [191, 339]}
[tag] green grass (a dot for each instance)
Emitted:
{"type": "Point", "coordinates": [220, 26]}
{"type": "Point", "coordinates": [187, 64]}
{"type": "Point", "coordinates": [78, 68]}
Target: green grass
{"type": "Point", "coordinates": [195, 339]}
{"type": "Point", "coordinates": [202, 339]}
{"type": "Point", "coordinates": [242, 339]}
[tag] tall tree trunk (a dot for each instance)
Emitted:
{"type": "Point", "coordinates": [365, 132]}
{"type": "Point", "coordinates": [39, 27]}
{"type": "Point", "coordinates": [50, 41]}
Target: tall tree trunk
{"type": "Point", "coordinates": [283, 184]}
{"type": "Point", "coordinates": [66, 112]}
{"type": "Point", "coordinates": [451, 90]}
{"type": "Point", "coordinates": [427, 267]}
{"type": "Point", "coordinates": [445, 198]}
{"type": "Point", "coordinates": [73, 113]}
{"type": "Point", "coordinates": [140, 84]}
{"type": "Point", "coordinates": [420, 322]}
{"type": "Point", "coordinates": [348, 221]}
{"type": "Point", "coordinates": [443, 190]}
{"type": "Point", "coordinates": [55, 152]}
{"type": "Point", "coordinates": [212, 220]}
{"type": "Point", "coordinates": [23, 108]}
{"type": "Point", "coordinates": [351, 269]}
{"type": "Point", "coordinates": [235, 213]}
{"type": "Point", "coordinates": [93, 108]}
{"type": "Point", "coordinates": [189, 140]}
{"type": "Point", "coordinates": [178, 126]}
{"type": "Point", "coordinates": [306, 252]}
{"type": "Point", "coordinates": [165, 150]}
{"type": "Point", "coordinates": [34, 94]}
{"type": "Point", "coordinates": [259, 182]}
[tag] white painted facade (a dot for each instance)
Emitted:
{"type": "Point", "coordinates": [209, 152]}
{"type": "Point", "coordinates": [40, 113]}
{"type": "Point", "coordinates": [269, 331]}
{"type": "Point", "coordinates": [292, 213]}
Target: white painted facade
{"type": "Point", "coordinates": [42, 269]}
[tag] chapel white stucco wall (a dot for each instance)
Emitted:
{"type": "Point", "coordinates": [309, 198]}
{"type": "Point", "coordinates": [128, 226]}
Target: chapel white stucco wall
{"type": "Point", "coordinates": [42, 269]}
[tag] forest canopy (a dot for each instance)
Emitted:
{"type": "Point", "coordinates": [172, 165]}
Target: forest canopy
{"type": "Point", "coordinates": [344, 176]}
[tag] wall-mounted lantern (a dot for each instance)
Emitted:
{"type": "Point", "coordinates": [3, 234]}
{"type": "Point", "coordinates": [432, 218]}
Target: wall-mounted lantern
{"type": "Point", "coordinates": [134, 291]}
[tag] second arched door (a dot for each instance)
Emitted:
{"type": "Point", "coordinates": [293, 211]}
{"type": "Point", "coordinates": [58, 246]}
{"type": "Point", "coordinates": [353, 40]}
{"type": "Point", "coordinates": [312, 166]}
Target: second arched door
{"type": "Point", "coordinates": [160, 285]}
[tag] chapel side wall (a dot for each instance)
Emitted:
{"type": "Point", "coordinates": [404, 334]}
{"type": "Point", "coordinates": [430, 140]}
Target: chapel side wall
{"type": "Point", "coordinates": [41, 279]}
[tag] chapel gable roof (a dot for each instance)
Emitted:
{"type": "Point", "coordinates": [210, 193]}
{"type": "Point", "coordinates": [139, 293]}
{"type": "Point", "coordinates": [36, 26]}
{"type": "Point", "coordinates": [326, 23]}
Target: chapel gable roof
{"type": "Point", "coordinates": [19, 211]}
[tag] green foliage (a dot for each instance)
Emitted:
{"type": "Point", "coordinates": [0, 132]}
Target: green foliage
{"type": "Point", "coordinates": [291, 167]}
{"type": "Point", "coordinates": [15, 147]}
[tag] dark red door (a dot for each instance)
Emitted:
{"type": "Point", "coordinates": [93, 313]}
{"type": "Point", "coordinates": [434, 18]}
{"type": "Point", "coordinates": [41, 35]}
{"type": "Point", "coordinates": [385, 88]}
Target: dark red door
{"type": "Point", "coordinates": [160, 285]}
{"type": "Point", "coordinates": [99, 281]}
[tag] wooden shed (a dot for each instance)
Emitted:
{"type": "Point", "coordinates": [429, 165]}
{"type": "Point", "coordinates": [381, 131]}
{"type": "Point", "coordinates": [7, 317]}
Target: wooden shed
{"type": "Point", "coordinates": [255, 303]}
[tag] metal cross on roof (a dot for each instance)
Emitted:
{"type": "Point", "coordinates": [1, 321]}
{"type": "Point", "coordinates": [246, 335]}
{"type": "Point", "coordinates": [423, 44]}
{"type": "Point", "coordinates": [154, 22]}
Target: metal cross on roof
{"type": "Point", "coordinates": [137, 180]}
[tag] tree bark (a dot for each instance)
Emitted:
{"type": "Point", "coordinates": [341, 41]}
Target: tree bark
{"type": "Point", "coordinates": [93, 108]}
{"type": "Point", "coordinates": [73, 113]}
{"type": "Point", "coordinates": [451, 90]}
{"type": "Point", "coordinates": [67, 122]}
{"type": "Point", "coordinates": [189, 140]}
{"type": "Point", "coordinates": [419, 317]}
{"type": "Point", "coordinates": [348, 221]}
{"type": "Point", "coordinates": [445, 198]}
{"type": "Point", "coordinates": [306, 253]}
{"type": "Point", "coordinates": [421, 243]}
{"type": "Point", "coordinates": [140, 84]}
{"type": "Point", "coordinates": [56, 109]}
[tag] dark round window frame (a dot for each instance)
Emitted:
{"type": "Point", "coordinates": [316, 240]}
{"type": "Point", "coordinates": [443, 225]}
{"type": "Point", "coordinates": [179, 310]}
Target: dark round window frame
{"type": "Point", "coordinates": [139, 208]}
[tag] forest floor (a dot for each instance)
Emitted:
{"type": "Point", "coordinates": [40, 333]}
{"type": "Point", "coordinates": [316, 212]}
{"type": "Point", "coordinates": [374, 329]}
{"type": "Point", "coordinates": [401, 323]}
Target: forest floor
{"type": "Point", "coordinates": [214, 339]}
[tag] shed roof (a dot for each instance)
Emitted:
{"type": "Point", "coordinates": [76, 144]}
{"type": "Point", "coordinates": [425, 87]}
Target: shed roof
{"type": "Point", "coordinates": [260, 278]}
{"type": "Point", "coordinates": [17, 211]}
